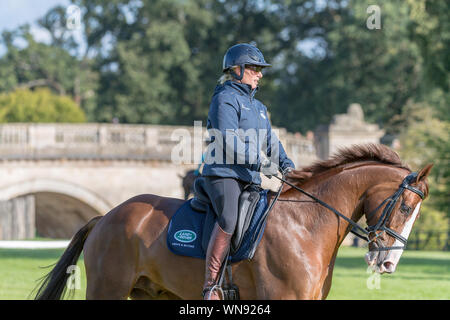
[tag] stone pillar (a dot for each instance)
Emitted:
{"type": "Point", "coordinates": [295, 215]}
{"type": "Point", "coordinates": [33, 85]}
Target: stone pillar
{"type": "Point", "coordinates": [17, 218]}
{"type": "Point", "coordinates": [344, 131]}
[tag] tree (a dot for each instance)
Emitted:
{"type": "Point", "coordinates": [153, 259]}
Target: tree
{"type": "Point", "coordinates": [425, 140]}
{"type": "Point", "coordinates": [163, 58]}
{"type": "Point", "coordinates": [155, 79]}
{"type": "Point", "coordinates": [41, 65]}
{"type": "Point", "coordinates": [430, 30]}
{"type": "Point", "coordinates": [379, 68]}
{"type": "Point", "coordinates": [38, 64]}
{"type": "Point", "coordinates": [41, 105]}
{"type": "Point", "coordinates": [158, 61]}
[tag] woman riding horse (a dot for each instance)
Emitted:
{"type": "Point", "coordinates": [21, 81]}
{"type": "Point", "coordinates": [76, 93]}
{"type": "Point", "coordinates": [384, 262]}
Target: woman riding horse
{"type": "Point", "coordinates": [233, 110]}
{"type": "Point", "coordinates": [126, 254]}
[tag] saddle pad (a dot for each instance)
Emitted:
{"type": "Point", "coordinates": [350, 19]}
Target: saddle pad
{"type": "Point", "coordinates": [186, 227]}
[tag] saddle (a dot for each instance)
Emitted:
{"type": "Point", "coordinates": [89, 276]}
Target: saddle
{"type": "Point", "coordinates": [191, 225]}
{"type": "Point", "coordinates": [248, 201]}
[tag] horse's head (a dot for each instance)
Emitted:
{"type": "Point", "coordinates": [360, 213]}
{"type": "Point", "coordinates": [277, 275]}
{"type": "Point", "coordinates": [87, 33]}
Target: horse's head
{"type": "Point", "coordinates": [391, 210]}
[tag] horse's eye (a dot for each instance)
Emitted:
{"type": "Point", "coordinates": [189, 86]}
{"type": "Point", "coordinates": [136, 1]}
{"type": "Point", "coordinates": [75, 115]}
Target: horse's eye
{"type": "Point", "coordinates": [405, 209]}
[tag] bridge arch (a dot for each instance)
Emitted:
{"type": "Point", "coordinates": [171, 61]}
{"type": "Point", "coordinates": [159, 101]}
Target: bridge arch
{"type": "Point", "coordinates": [56, 186]}
{"type": "Point", "coordinates": [60, 207]}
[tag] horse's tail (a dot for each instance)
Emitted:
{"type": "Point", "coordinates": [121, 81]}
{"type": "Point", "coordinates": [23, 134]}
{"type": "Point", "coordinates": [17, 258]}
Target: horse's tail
{"type": "Point", "coordinates": [53, 286]}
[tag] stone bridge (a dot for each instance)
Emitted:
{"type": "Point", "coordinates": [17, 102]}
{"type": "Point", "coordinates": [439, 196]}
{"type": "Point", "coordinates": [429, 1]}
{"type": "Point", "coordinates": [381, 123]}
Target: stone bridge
{"type": "Point", "coordinates": [55, 177]}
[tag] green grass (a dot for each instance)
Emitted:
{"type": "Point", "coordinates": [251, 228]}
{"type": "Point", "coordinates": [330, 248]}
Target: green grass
{"type": "Point", "coordinates": [420, 275]}
{"type": "Point", "coordinates": [20, 270]}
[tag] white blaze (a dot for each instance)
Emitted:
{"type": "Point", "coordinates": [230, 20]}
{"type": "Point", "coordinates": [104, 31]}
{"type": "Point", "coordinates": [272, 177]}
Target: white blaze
{"type": "Point", "coordinates": [394, 255]}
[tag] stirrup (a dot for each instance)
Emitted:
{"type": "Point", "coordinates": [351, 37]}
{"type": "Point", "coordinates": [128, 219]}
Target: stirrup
{"type": "Point", "coordinates": [209, 290]}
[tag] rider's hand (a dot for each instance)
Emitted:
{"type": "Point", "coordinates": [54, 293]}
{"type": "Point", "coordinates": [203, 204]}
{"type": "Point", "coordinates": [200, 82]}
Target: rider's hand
{"type": "Point", "coordinates": [269, 169]}
{"type": "Point", "coordinates": [287, 170]}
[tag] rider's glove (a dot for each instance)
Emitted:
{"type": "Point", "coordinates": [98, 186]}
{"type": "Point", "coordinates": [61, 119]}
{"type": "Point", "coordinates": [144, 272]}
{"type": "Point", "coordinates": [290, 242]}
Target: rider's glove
{"type": "Point", "coordinates": [269, 169]}
{"type": "Point", "coordinates": [287, 170]}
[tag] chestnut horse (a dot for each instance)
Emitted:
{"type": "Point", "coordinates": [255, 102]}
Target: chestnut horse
{"type": "Point", "coordinates": [126, 255]}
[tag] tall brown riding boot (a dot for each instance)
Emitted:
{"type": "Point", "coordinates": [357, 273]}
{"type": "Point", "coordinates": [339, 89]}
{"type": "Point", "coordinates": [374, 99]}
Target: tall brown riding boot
{"type": "Point", "coordinates": [218, 247]}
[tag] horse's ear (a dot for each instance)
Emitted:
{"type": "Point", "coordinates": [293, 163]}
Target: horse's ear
{"type": "Point", "coordinates": [424, 172]}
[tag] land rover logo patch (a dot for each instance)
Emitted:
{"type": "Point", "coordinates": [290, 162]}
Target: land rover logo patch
{"type": "Point", "coordinates": [185, 236]}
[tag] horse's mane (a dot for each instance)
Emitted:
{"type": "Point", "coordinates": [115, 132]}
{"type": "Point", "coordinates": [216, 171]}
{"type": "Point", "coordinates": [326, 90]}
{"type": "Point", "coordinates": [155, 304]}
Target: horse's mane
{"type": "Point", "coordinates": [355, 153]}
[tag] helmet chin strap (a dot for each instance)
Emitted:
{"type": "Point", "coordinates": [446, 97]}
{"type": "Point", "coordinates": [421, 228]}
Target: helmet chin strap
{"type": "Point", "coordinates": [242, 73]}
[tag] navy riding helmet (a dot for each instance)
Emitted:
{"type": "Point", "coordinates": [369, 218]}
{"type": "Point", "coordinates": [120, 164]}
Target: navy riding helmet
{"type": "Point", "coordinates": [240, 55]}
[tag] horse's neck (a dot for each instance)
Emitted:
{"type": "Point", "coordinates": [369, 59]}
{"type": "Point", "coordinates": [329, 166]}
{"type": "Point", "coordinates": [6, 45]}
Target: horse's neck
{"type": "Point", "coordinates": [344, 192]}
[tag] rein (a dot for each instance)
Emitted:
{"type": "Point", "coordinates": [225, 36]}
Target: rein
{"type": "Point", "coordinates": [381, 224]}
{"type": "Point", "coordinates": [353, 223]}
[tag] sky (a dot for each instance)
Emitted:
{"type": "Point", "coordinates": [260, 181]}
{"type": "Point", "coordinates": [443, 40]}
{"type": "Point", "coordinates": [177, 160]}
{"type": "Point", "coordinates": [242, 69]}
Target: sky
{"type": "Point", "coordinates": [14, 13]}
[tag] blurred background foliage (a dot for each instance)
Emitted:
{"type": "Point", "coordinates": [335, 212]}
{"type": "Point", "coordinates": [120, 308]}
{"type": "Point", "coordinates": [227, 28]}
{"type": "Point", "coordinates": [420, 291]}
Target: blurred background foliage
{"type": "Point", "coordinates": [40, 105]}
{"type": "Point", "coordinates": [157, 62]}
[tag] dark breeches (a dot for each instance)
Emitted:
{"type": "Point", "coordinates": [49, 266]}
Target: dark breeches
{"type": "Point", "coordinates": [224, 194]}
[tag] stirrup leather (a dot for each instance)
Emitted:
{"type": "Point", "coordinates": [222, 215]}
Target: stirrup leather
{"type": "Point", "coordinates": [209, 290]}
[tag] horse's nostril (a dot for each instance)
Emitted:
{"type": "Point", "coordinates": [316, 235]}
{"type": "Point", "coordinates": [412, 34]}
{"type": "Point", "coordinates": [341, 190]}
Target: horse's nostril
{"type": "Point", "coordinates": [388, 266]}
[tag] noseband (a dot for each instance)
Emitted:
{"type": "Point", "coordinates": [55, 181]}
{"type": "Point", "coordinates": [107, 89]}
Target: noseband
{"type": "Point", "coordinates": [381, 224]}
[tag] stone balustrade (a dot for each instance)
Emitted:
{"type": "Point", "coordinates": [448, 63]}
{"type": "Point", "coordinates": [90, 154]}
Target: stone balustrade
{"type": "Point", "coordinates": [95, 141]}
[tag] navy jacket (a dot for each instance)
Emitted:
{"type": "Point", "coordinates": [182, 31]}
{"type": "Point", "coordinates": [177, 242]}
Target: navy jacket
{"type": "Point", "coordinates": [240, 128]}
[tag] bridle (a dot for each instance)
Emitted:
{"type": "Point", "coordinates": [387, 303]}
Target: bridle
{"type": "Point", "coordinates": [384, 218]}
{"type": "Point", "coordinates": [391, 203]}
